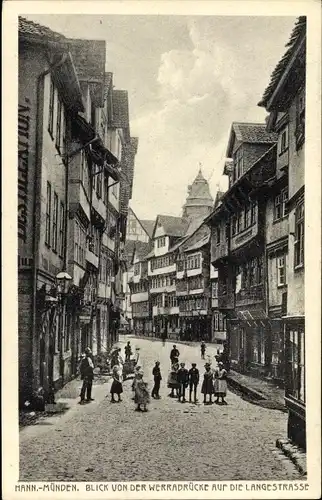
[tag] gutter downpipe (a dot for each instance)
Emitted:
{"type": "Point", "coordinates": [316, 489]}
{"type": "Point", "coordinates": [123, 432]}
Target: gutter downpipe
{"type": "Point", "coordinates": [36, 204]}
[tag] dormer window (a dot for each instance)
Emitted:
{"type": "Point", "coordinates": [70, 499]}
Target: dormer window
{"type": "Point", "coordinates": [161, 242]}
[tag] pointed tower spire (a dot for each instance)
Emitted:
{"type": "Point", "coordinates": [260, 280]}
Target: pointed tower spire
{"type": "Point", "coordinates": [199, 201]}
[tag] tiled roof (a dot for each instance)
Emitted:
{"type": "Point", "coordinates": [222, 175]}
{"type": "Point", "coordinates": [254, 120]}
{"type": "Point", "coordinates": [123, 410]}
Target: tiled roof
{"type": "Point", "coordinates": [298, 33]}
{"type": "Point", "coordinates": [121, 109]}
{"type": "Point", "coordinates": [173, 226]}
{"type": "Point", "coordinates": [203, 241]}
{"type": "Point", "coordinates": [108, 83]}
{"type": "Point", "coordinates": [253, 132]}
{"type": "Point", "coordinates": [148, 226]}
{"type": "Point", "coordinates": [29, 28]}
{"type": "Point", "coordinates": [89, 57]}
{"type": "Point", "coordinates": [142, 249]}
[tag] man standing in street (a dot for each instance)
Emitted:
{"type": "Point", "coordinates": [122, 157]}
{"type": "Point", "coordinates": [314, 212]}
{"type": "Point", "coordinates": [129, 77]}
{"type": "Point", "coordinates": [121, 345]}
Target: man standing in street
{"type": "Point", "coordinates": [183, 379]}
{"type": "Point", "coordinates": [87, 375]}
{"type": "Point", "coordinates": [193, 381]}
{"type": "Point", "coordinates": [156, 372]}
{"type": "Point", "coordinates": [174, 355]}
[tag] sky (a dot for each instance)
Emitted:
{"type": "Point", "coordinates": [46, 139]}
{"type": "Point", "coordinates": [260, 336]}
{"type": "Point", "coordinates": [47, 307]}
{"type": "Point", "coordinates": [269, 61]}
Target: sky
{"type": "Point", "coordinates": [188, 78]}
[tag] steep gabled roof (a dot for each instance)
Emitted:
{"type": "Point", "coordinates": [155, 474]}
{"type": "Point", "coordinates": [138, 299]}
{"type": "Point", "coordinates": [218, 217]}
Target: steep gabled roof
{"type": "Point", "coordinates": [173, 226]}
{"type": "Point", "coordinates": [89, 58]}
{"type": "Point", "coordinates": [141, 249]}
{"type": "Point", "coordinates": [297, 35]}
{"type": "Point", "coordinates": [148, 226]}
{"type": "Point", "coordinates": [255, 133]}
{"type": "Point", "coordinates": [198, 244]}
{"type": "Point", "coordinates": [31, 29]}
{"type": "Point", "coordinates": [121, 109]}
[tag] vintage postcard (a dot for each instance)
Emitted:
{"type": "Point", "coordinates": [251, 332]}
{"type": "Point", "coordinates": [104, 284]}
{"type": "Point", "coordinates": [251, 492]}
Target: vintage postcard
{"type": "Point", "coordinates": [161, 270]}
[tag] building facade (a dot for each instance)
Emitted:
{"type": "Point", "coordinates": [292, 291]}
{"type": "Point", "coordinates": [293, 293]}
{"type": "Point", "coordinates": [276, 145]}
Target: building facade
{"type": "Point", "coordinates": [139, 287]}
{"type": "Point", "coordinates": [137, 229]}
{"type": "Point", "coordinates": [238, 246]}
{"type": "Point", "coordinates": [71, 220]}
{"type": "Point", "coordinates": [284, 99]}
{"type": "Point", "coordinates": [193, 285]}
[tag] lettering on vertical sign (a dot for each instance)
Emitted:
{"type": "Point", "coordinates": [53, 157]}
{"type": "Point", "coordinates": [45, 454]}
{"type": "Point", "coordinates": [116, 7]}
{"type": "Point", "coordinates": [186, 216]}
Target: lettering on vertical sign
{"type": "Point", "coordinates": [23, 163]}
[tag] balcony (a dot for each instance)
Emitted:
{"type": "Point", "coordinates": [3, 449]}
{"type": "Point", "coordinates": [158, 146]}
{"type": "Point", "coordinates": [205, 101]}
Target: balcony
{"type": "Point", "coordinates": [164, 311]}
{"type": "Point", "coordinates": [78, 198]}
{"type": "Point", "coordinates": [91, 258]}
{"type": "Point", "coordinates": [244, 237]}
{"type": "Point", "coordinates": [250, 295]}
{"type": "Point", "coordinates": [99, 206]}
{"type": "Point", "coordinates": [220, 251]}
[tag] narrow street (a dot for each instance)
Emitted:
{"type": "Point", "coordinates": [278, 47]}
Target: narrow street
{"type": "Point", "coordinates": [111, 442]}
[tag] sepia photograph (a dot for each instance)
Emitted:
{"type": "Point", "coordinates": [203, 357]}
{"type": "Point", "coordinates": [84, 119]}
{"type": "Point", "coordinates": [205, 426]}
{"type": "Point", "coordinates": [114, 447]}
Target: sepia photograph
{"type": "Point", "coordinates": [161, 248]}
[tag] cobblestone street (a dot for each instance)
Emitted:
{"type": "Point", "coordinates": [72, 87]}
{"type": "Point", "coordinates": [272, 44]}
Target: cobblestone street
{"type": "Point", "coordinates": [172, 441]}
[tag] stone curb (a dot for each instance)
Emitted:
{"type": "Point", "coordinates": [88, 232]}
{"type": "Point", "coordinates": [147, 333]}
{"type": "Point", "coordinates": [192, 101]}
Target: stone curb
{"type": "Point", "coordinates": [294, 453]}
{"type": "Point", "coordinates": [246, 389]}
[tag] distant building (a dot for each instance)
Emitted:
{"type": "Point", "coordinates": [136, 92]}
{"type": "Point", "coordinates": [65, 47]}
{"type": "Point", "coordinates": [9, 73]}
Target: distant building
{"type": "Point", "coordinates": [137, 229]}
{"type": "Point", "coordinates": [139, 286]}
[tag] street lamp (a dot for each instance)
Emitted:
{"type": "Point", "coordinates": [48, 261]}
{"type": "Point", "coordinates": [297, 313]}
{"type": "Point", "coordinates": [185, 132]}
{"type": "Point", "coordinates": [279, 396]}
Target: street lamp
{"type": "Point", "coordinates": [63, 280]}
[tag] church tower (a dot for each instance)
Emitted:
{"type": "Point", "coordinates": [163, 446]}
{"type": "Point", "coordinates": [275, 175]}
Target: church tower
{"type": "Point", "coordinates": [199, 202]}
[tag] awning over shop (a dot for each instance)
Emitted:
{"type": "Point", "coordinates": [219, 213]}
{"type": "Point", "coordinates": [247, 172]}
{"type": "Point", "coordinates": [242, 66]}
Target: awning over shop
{"type": "Point", "coordinates": [251, 316]}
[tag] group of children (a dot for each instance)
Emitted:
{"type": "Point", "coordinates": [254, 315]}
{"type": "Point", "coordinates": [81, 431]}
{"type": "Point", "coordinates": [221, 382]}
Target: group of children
{"type": "Point", "coordinates": [214, 382]}
{"type": "Point", "coordinates": [179, 380]}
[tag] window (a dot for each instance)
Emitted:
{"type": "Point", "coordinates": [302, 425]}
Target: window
{"type": "Point", "coordinates": [300, 118]}
{"type": "Point", "coordinates": [48, 214]}
{"type": "Point", "coordinates": [283, 141]}
{"type": "Point", "coordinates": [296, 364]}
{"type": "Point", "coordinates": [161, 242]}
{"type": "Point", "coordinates": [99, 185]}
{"type": "Point", "coordinates": [218, 235]}
{"type": "Point", "coordinates": [114, 190]}
{"type": "Point", "coordinates": [216, 321]}
{"type": "Point", "coordinates": [233, 225]}
{"type": "Point", "coordinates": [299, 236]}
{"type": "Point", "coordinates": [239, 164]}
{"type": "Point", "coordinates": [214, 289]}
{"type": "Point", "coordinates": [61, 229]}
{"type": "Point", "coordinates": [252, 273]}
{"type": "Point", "coordinates": [137, 269]}
{"type": "Point", "coordinates": [58, 124]}
{"type": "Point", "coordinates": [280, 205]}
{"type": "Point", "coordinates": [253, 212]}
{"type": "Point", "coordinates": [240, 225]}
{"type": "Point", "coordinates": [51, 108]}
{"type": "Point", "coordinates": [55, 223]}
{"type": "Point", "coordinates": [247, 221]}
{"type": "Point", "coordinates": [281, 270]}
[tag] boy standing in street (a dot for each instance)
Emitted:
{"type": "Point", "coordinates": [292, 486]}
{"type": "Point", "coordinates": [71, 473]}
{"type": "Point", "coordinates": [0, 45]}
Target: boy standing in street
{"type": "Point", "coordinates": [193, 381]}
{"type": "Point", "coordinates": [156, 372]}
{"type": "Point", "coordinates": [183, 379]}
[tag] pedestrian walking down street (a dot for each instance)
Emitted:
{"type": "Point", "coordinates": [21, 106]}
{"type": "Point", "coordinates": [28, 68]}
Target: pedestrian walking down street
{"type": "Point", "coordinates": [207, 384]}
{"type": "Point", "coordinates": [183, 380]}
{"type": "Point", "coordinates": [173, 383]}
{"type": "Point", "coordinates": [142, 397]}
{"type": "Point", "coordinates": [203, 350]}
{"type": "Point", "coordinates": [116, 387]}
{"type": "Point", "coordinates": [87, 375]}
{"type": "Point", "coordinates": [128, 351]}
{"type": "Point", "coordinates": [174, 355]}
{"type": "Point", "coordinates": [156, 372]}
{"type": "Point", "coordinates": [220, 383]}
{"type": "Point", "coordinates": [193, 382]}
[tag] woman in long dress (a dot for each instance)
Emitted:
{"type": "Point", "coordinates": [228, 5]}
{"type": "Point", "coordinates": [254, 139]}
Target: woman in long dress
{"type": "Point", "coordinates": [173, 383]}
{"type": "Point", "coordinates": [207, 384]}
{"type": "Point", "coordinates": [220, 384]}
{"type": "Point", "coordinates": [116, 387]}
{"type": "Point", "coordinates": [142, 396]}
